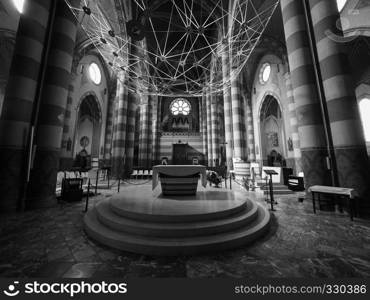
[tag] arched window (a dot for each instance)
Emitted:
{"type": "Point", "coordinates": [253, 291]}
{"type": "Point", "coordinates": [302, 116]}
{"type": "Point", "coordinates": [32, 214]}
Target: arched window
{"type": "Point", "coordinates": [265, 73]}
{"type": "Point", "coordinates": [180, 107]}
{"type": "Point", "coordinates": [365, 113]}
{"type": "Point", "coordinates": [19, 5]}
{"type": "Point", "coordinates": [95, 73]}
{"type": "Point", "coordinates": [341, 4]}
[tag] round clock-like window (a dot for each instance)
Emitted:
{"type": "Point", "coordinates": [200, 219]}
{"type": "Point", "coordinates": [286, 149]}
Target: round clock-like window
{"type": "Point", "coordinates": [180, 107]}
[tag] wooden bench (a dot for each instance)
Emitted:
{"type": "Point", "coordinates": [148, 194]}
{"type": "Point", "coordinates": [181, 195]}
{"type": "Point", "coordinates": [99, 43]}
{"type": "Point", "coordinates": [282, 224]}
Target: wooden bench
{"type": "Point", "coordinates": [348, 193]}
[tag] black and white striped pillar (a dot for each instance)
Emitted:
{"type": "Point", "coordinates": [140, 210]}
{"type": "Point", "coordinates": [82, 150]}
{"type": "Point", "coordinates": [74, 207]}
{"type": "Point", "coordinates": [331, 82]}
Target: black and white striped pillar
{"type": "Point", "coordinates": [21, 92]}
{"type": "Point", "coordinates": [49, 131]}
{"type": "Point", "coordinates": [345, 122]}
{"type": "Point", "coordinates": [309, 115]}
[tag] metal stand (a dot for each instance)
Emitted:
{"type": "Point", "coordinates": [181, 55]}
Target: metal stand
{"type": "Point", "coordinates": [96, 181]}
{"type": "Point", "coordinates": [271, 187]}
{"type": "Point", "coordinates": [231, 173]}
{"type": "Point", "coordinates": [108, 179]}
{"type": "Point", "coordinates": [271, 194]}
{"type": "Point", "coordinates": [87, 196]}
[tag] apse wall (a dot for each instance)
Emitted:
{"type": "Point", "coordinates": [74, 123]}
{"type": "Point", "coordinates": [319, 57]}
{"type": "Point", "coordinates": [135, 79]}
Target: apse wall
{"type": "Point", "coordinates": [170, 136]}
{"type": "Point", "coordinates": [82, 86]}
{"type": "Point", "coordinates": [9, 19]}
{"type": "Point", "coordinates": [275, 87]}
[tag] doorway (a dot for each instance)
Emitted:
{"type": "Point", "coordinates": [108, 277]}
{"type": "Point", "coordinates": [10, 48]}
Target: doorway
{"type": "Point", "coordinates": [88, 131]}
{"type": "Point", "coordinates": [272, 133]}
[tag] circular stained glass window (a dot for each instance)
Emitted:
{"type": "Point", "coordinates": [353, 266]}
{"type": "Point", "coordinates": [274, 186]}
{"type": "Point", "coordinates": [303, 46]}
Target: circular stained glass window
{"type": "Point", "coordinates": [180, 107]}
{"type": "Point", "coordinates": [265, 73]}
{"type": "Point", "coordinates": [95, 74]}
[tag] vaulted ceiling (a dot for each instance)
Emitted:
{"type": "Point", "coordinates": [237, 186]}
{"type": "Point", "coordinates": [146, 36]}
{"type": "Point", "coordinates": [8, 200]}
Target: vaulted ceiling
{"type": "Point", "coordinates": [181, 37]}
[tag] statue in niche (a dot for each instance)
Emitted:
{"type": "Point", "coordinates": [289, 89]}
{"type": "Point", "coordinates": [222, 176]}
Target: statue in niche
{"type": "Point", "coordinates": [69, 144]}
{"type": "Point", "coordinates": [273, 139]}
{"type": "Point", "coordinates": [84, 142]}
{"type": "Point", "coordinates": [290, 144]}
{"type": "Point", "coordinates": [164, 124]}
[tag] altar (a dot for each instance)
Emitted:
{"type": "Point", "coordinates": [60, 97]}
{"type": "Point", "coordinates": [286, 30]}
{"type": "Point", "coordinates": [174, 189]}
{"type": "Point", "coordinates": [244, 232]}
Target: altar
{"type": "Point", "coordinates": [181, 180]}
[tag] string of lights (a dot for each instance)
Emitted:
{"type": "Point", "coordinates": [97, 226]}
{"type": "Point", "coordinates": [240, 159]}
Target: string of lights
{"type": "Point", "coordinates": [176, 56]}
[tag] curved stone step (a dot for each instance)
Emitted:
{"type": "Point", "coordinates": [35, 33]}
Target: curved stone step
{"type": "Point", "coordinates": [176, 246]}
{"type": "Point", "coordinates": [204, 206]}
{"type": "Point", "coordinates": [187, 229]}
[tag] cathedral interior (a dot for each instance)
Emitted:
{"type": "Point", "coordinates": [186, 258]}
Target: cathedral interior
{"type": "Point", "coordinates": [182, 138]}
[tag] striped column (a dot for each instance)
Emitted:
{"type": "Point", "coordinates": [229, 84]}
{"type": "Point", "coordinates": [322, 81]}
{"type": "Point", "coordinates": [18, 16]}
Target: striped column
{"type": "Point", "coordinates": [150, 133]}
{"type": "Point", "coordinates": [130, 132]}
{"type": "Point", "coordinates": [345, 122]}
{"type": "Point", "coordinates": [250, 131]}
{"type": "Point", "coordinates": [238, 122]}
{"type": "Point", "coordinates": [144, 132]}
{"type": "Point", "coordinates": [109, 123]}
{"type": "Point", "coordinates": [50, 124]}
{"type": "Point", "coordinates": [155, 129]}
{"type": "Point", "coordinates": [115, 121]}
{"type": "Point", "coordinates": [221, 128]}
{"type": "Point", "coordinates": [209, 129]}
{"type": "Point", "coordinates": [133, 101]}
{"type": "Point", "coordinates": [227, 107]}
{"type": "Point", "coordinates": [293, 124]}
{"type": "Point", "coordinates": [204, 125]}
{"type": "Point", "coordinates": [215, 130]}
{"type": "Point", "coordinates": [67, 116]}
{"type": "Point", "coordinates": [19, 100]}
{"type": "Point", "coordinates": [310, 122]}
{"type": "Point", "coordinates": [66, 160]}
{"type": "Point", "coordinates": [119, 135]}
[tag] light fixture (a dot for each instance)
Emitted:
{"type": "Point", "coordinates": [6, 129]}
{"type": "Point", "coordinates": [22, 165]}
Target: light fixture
{"type": "Point", "coordinates": [19, 5]}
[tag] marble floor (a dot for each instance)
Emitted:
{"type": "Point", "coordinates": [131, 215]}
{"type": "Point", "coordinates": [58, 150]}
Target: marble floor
{"type": "Point", "coordinates": [51, 243]}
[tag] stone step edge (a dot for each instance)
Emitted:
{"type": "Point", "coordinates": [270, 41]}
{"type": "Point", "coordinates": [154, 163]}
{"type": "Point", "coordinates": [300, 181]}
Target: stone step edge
{"type": "Point", "coordinates": [117, 222]}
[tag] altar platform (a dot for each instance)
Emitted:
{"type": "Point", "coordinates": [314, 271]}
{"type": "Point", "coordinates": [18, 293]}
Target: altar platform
{"type": "Point", "coordinates": [141, 221]}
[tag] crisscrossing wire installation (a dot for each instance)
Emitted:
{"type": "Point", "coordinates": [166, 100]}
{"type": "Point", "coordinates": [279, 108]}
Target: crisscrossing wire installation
{"type": "Point", "coordinates": [174, 47]}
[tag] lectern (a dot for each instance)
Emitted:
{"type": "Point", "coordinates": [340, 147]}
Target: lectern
{"type": "Point", "coordinates": [270, 173]}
